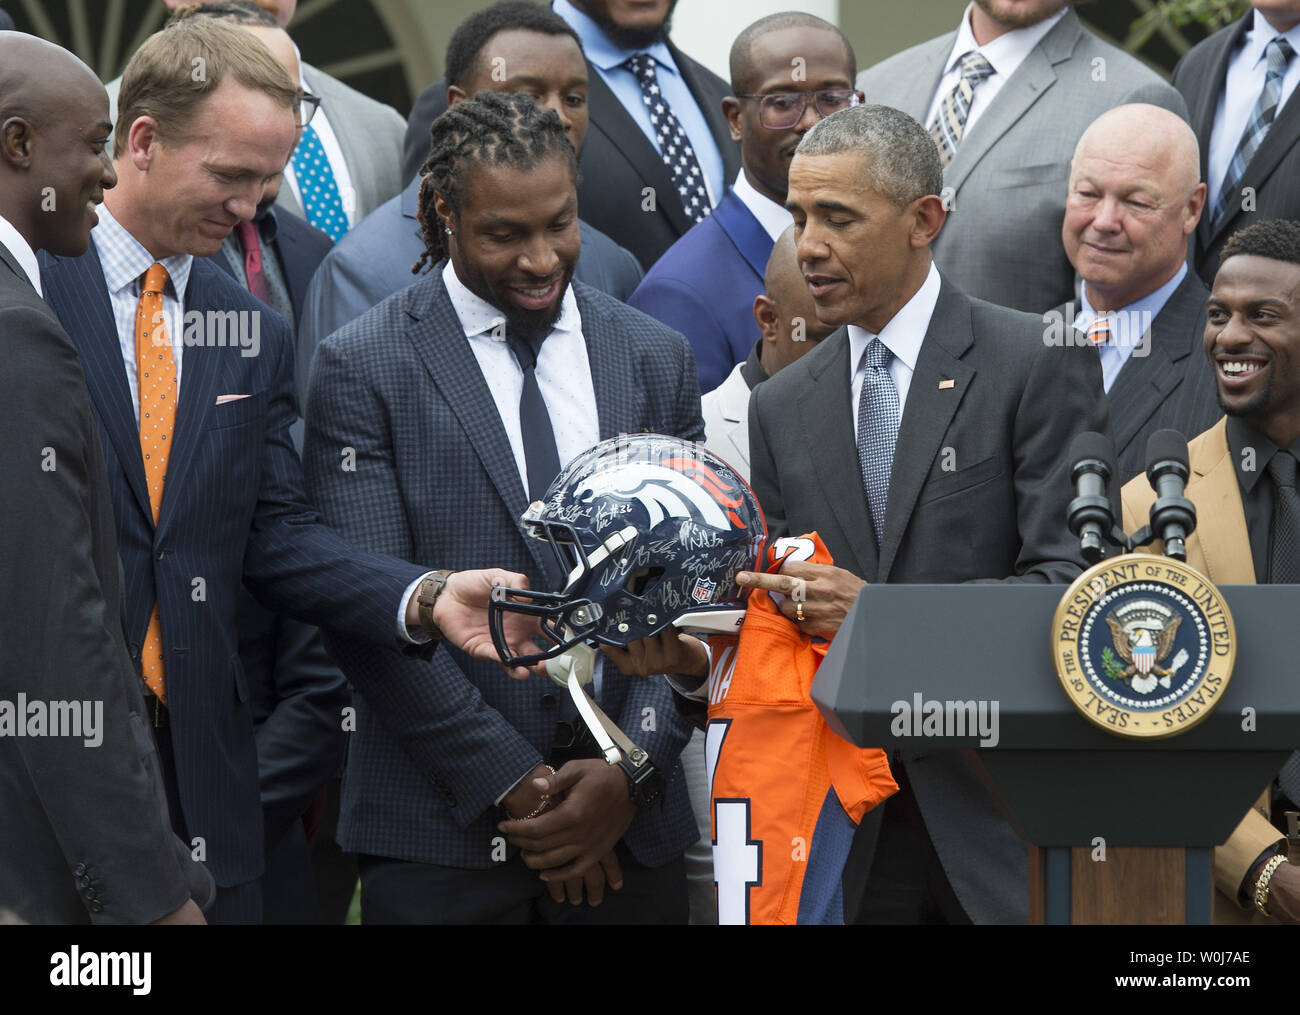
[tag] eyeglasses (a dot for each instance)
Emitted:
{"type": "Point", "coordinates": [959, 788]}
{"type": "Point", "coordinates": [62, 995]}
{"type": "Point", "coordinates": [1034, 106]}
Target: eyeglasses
{"type": "Point", "coordinates": [308, 104]}
{"type": "Point", "coordinates": [784, 110]}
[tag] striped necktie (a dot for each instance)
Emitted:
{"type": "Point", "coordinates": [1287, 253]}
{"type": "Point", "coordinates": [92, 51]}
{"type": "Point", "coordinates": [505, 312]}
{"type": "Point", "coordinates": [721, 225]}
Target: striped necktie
{"type": "Point", "coordinates": [1277, 54]}
{"type": "Point", "coordinates": [950, 121]}
{"type": "Point", "coordinates": [1099, 332]}
{"type": "Point", "coordinates": [156, 377]}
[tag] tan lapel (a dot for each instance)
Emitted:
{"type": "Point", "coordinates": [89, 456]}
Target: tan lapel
{"type": "Point", "coordinates": [1220, 547]}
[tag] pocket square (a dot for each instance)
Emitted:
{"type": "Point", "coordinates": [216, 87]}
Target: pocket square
{"type": "Point", "coordinates": [222, 399]}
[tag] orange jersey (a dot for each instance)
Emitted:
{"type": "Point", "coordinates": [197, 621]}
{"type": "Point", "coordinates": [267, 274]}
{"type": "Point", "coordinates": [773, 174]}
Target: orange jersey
{"type": "Point", "coordinates": [787, 793]}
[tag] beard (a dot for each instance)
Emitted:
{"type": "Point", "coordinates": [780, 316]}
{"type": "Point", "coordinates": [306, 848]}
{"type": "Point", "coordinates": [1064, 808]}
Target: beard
{"type": "Point", "coordinates": [1012, 19]}
{"type": "Point", "coordinates": [626, 38]}
{"type": "Point", "coordinates": [518, 320]}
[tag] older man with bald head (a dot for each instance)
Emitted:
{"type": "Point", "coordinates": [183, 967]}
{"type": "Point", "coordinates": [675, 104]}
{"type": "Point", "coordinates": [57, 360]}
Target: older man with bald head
{"type": "Point", "coordinates": [1134, 197]}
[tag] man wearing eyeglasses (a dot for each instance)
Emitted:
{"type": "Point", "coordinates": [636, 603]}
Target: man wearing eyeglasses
{"type": "Point", "coordinates": [788, 71]}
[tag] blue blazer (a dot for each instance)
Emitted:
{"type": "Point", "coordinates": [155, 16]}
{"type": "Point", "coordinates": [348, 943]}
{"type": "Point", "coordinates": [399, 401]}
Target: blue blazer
{"type": "Point", "coordinates": [704, 286]}
{"type": "Point", "coordinates": [233, 511]}
{"type": "Point", "coordinates": [438, 742]}
{"type": "Point", "coordinates": [374, 260]}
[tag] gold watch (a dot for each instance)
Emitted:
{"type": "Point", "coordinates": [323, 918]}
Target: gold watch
{"type": "Point", "coordinates": [425, 596]}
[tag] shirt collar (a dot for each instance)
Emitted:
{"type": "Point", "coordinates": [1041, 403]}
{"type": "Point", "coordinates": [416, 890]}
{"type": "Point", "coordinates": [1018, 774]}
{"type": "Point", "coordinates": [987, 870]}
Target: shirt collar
{"type": "Point", "coordinates": [1241, 435]}
{"type": "Point", "coordinates": [23, 253]}
{"type": "Point", "coordinates": [478, 316]}
{"type": "Point", "coordinates": [751, 371]}
{"type": "Point", "coordinates": [1007, 51]}
{"type": "Point", "coordinates": [597, 47]}
{"type": "Point", "coordinates": [1152, 303]}
{"type": "Point", "coordinates": [774, 218]}
{"type": "Point", "coordinates": [906, 330]}
{"type": "Point", "coordinates": [1261, 34]}
{"type": "Point", "coordinates": [125, 260]}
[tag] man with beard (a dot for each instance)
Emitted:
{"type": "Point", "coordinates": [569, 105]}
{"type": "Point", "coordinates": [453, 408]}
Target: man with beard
{"type": "Point", "coordinates": [541, 56]}
{"type": "Point", "coordinates": [659, 154]}
{"type": "Point", "coordinates": [1007, 97]}
{"type": "Point", "coordinates": [462, 397]}
{"type": "Point", "coordinates": [1243, 483]}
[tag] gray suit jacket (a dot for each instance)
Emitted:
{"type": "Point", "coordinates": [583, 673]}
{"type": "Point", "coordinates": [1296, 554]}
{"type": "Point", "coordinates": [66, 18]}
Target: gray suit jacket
{"type": "Point", "coordinates": [1273, 172]}
{"type": "Point", "coordinates": [369, 134]}
{"type": "Point", "coordinates": [374, 260]}
{"type": "Point", "coordinates": [1006, 187]}
{"type": "Point", "coordinates": [1167, 386]}
{"type": "Point", "coordinates": [85, 835]}
{"type": "Point", "coordinates": [438, 742]}
{"type": "Point", "coordinates": [1000, 514]}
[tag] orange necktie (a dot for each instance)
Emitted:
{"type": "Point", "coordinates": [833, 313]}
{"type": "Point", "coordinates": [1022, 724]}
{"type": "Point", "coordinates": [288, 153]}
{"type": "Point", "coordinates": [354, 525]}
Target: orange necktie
{"type": "Point", "coordinates": [156, 376]}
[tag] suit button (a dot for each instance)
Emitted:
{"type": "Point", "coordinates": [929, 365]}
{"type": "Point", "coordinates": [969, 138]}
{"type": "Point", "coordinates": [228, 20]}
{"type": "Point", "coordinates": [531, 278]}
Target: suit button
{"type": "Point", "coordinates": [548, 701]}
{"type": "Point", "coordinates": [162, 554]}
{"type": "Point", "coordinates": [96, 907]}
{"type": "Point", "coordinates": [84, 880]}
{"type": "Point", "coordinates": [79, 870]}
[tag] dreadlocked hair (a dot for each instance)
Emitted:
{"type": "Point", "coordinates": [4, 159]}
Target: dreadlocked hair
{"type": "Point", "coordinates": [492, 129]}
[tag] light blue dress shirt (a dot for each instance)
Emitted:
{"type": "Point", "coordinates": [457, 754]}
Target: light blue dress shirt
{"type": "Point", "coordinates": [1130, 326]}
{"type": "Point", "coordinates": [608, 59]}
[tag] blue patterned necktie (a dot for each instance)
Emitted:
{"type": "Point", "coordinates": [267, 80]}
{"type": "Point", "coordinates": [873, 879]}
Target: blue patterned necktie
{"type": "Point", "coordinates": [316, 183]}
{"type": "Point", "coordinates": [1277, 55]}
{"type": "Point", "coordinates": [878, 418]}
{"type": "Point", "coordinates": [950, 122]}
{"type": "Point", "coordinates": [674, 146]}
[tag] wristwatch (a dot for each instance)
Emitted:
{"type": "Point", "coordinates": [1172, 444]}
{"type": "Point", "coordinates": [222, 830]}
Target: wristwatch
{"type": "Point", "coordinates": [646, 783]}
{"type": "Point", "coordinates": [426, 595]}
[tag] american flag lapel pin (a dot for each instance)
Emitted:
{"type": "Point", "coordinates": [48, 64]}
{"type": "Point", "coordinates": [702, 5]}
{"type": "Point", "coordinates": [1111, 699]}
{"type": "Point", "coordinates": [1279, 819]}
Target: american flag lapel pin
{"type": "Point", "coordinates": [944, 385]}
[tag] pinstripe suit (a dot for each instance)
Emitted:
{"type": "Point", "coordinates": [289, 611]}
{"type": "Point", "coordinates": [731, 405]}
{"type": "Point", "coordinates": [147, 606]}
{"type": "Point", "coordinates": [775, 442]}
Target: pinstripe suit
{"type": "Point", "coordinates": [436, 744]}
{"type": "Point", "coordinates": [233, 511]}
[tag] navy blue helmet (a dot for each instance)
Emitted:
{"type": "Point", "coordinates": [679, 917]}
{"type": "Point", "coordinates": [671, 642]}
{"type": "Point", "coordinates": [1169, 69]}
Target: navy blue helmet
{"type": "Point", "coordinates": [650, 532]}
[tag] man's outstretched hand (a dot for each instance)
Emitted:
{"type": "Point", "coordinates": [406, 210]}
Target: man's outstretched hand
{"type": "Point", "coordinates": [461, 613]}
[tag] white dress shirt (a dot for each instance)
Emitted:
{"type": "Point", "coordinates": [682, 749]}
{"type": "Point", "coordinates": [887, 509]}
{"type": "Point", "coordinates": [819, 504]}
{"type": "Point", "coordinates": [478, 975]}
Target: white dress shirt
{"type": "Point", "coordinates": [320, 123]}
{"type": "Point", "coordinates": [1241, 87]}
{"type": "Point", "coordinates": [125, 261]}
{"type": "Point", "coordinates": [902, 336]}
{"type": "Point", "coordinates": [23, 253]}
{"type": "Point", "coordinates": [774, 218]}
{"type": "Point", "coordinates": [1005, 53]}
{"type": "Point", "coordinates": [563, 375]}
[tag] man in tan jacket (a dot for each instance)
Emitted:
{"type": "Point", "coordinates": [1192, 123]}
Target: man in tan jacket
{"type": "Point", "coordinates": [1243, 483]}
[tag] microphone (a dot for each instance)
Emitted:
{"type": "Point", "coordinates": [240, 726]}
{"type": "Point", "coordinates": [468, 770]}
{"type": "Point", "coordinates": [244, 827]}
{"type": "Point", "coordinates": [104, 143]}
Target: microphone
{"type": "Point", "coordinates": [1090, 515]}
{"type": "Point", "coordinates": [1173, 516]}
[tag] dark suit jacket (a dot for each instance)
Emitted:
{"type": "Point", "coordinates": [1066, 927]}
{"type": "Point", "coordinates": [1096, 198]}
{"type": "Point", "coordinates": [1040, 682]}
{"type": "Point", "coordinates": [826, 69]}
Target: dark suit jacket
{"type": "Point", "coordinates": [705, 285]}
{"type": "Point", "coordinates": [1000, 514]}
{"type": "Point", "coordinates": [1273, 171]}
{"type": "Point", "coordinates": [1166, 387]}
{"type": "Point", "coordinates": [233, 511]}
{"type": "Point", "coordinates": [436, 744]}
{"type": "Point", "coordinates": [374, 260]}
{"type": "Point", "coordinates": [85, 834]}
{"type": "Point", "coordinates": [618, 161]}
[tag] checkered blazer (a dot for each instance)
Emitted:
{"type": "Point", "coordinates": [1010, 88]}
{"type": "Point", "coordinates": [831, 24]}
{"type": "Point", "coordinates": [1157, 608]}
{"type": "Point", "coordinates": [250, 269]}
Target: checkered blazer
{"type": "Point", "coordinates": [435, 482]}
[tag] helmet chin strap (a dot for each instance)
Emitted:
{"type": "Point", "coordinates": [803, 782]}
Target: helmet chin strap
{"type": "Point", "coordinates": [574, 669]}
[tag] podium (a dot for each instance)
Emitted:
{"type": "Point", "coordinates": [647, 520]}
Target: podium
{"type": "Point", "coordinates": [1062, 782]}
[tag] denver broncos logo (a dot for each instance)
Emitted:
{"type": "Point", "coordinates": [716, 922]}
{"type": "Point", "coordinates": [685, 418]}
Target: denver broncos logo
{"type": "Point", "coordinates": [680, 488]}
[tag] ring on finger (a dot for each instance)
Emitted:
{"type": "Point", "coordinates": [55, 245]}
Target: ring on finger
{"type": "Point", "coordinates": [798, 612]}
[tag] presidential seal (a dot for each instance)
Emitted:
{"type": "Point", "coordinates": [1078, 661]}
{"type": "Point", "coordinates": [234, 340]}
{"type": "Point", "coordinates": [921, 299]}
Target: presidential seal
{"type": "Point", "coordinates": [1144, 645]}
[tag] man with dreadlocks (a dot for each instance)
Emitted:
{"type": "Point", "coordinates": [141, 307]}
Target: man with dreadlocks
{"type": "Point", "coordinates": [460, 398]}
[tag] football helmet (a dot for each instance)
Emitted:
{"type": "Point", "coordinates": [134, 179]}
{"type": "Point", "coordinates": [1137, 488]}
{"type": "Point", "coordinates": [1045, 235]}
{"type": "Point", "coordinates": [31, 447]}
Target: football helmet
{"type": "Point", "coordinates": [650, 531]}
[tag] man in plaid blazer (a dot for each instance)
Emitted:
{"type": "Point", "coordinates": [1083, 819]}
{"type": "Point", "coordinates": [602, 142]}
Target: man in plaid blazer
{"type": "Point", "coordinates": [418, 443]}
